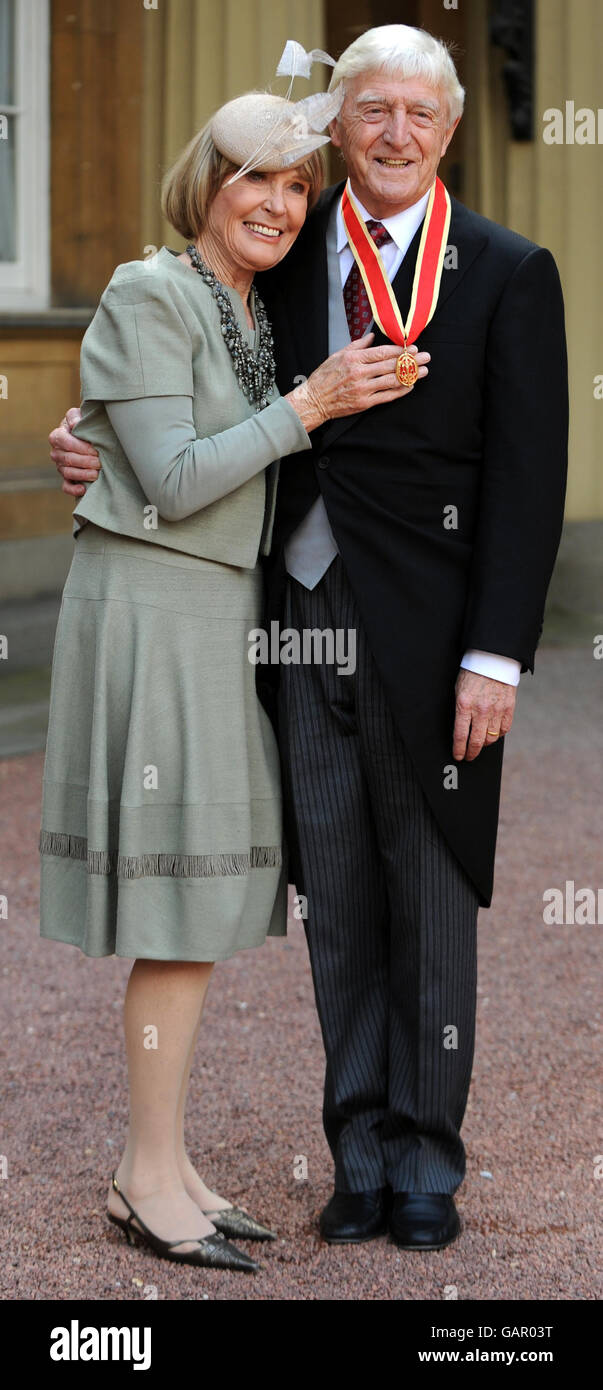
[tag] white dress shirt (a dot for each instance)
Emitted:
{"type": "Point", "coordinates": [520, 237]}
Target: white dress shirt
{"type": "Point", "coordinates": [312, 547]}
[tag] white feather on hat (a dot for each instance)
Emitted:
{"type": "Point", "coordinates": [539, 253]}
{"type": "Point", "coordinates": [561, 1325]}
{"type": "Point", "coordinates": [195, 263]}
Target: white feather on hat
{"type": "Point", "coordinates": [262, 131]}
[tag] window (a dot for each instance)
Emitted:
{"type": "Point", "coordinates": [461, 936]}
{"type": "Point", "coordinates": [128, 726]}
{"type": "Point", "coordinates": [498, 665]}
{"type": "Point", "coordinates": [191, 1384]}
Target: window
{"type": "Point", "coordinates": [24, 207]}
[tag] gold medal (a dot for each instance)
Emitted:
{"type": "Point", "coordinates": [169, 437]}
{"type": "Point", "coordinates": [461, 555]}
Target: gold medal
{"type": "Point", "coordinates": [407, 371]}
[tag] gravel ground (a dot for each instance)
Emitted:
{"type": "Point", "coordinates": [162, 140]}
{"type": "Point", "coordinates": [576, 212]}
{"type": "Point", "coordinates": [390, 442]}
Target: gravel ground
{"type": "Point", "coordinates": [532, 1129]}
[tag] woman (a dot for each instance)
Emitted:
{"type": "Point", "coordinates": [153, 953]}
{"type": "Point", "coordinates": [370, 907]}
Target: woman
{"type": "Point", "coordinates": [161, 822]}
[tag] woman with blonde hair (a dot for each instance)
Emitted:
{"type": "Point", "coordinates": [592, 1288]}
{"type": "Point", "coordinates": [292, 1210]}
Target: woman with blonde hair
{"type": "Point", "coordinates": [161, 820]}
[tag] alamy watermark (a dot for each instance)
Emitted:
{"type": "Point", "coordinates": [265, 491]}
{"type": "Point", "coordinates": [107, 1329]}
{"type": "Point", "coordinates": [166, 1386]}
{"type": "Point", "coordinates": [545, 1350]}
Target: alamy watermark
{"type": "Point", "coordinates": [572, 906]}
{"type": "Point", "coordinates": [290, 647]}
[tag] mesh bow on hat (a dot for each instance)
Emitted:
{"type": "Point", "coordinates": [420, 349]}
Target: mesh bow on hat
{"type": "Point", "coordinates": [262, 131]}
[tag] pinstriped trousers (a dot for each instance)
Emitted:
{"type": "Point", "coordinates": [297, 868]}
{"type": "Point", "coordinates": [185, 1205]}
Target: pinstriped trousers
{"type": "Point", "coordinates": [391, 923]}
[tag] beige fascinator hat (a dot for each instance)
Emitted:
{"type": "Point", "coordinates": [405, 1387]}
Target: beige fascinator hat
{"type": "Point", "coordinates": [263, 131]}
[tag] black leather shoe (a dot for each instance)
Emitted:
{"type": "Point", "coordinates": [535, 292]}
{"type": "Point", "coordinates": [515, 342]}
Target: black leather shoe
{"type": "Point", "coordinates": [354, 1216]}
{"type": "Point", "coordinates": [423, 1220]}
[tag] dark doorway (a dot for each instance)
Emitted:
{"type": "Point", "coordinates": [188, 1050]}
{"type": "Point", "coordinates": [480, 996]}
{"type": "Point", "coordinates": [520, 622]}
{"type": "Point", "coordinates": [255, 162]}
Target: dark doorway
{"type": "Point", "coordinates": [347, 19]}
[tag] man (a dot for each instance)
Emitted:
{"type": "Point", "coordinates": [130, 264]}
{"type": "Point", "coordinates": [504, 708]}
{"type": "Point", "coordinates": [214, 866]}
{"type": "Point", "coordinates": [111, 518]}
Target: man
{"type": "Point", "coordinates": [430, 526]}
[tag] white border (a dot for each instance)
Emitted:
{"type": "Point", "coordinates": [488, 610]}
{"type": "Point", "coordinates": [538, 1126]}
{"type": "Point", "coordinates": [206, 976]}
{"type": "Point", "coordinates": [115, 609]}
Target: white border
{"type": "Point", "coordinates": [24, 283]}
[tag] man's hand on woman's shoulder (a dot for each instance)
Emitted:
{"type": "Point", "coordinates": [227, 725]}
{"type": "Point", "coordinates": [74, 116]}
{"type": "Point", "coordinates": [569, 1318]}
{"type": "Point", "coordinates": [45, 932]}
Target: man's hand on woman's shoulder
{"type": "Point", "coordinates": [76, 460]}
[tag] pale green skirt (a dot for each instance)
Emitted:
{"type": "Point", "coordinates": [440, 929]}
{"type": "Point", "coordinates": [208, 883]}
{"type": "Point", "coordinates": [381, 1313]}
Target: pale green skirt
{"type": "Point", "coordinates": [161, 816]}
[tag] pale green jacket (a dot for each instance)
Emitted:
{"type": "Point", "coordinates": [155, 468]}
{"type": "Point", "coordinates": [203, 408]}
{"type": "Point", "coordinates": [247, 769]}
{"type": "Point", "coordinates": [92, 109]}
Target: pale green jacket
{"type": "Point", "coordinates": [157, 332]}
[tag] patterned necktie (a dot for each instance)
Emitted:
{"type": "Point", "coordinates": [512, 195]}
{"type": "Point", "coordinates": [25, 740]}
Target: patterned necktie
{"type": "Point", "coordinates": [355, 297]}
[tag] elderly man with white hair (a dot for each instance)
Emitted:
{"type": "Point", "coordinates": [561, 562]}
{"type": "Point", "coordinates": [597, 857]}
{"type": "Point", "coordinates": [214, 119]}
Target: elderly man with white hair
{"type": "Point", "coordinates": [429, 526]}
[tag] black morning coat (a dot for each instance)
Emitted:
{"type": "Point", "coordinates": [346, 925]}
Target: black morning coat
{"type": "Point", "coordinates": [486, 433]}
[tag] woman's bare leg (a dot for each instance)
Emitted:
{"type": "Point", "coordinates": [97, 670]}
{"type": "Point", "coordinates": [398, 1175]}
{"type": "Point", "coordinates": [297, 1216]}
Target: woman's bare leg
{"type": "Point", "coordinates": [205, 1198]}
{"type": "Point", "coordinates": [166, 996]}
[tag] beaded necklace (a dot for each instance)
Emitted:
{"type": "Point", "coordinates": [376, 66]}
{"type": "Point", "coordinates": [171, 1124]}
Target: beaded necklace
{"type": "Point", "coordinates": [255, 371]}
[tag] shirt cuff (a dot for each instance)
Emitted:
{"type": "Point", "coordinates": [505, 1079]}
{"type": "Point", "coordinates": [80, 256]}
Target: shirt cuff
{"type": "Point", "coordinates": [498, 668]}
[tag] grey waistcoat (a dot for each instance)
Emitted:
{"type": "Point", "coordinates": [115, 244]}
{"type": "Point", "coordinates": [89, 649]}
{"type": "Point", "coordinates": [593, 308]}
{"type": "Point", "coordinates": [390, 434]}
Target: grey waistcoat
{"type": "Point", "coordinates": [312, 547]}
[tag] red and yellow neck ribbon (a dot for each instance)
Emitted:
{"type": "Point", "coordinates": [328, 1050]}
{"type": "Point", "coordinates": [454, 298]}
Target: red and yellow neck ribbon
{"type": "Point", "coordinates": [428, 270]}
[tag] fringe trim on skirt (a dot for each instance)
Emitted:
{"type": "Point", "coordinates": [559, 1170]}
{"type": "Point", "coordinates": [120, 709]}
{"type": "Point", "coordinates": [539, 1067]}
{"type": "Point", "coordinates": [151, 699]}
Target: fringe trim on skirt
{"type": "Point", "coordinates": [159, 865]}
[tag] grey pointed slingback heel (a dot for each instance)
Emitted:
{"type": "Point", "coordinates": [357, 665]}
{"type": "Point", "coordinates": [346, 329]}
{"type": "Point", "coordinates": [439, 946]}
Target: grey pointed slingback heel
{"type": "Point", "coordinates": [214, 1251]}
